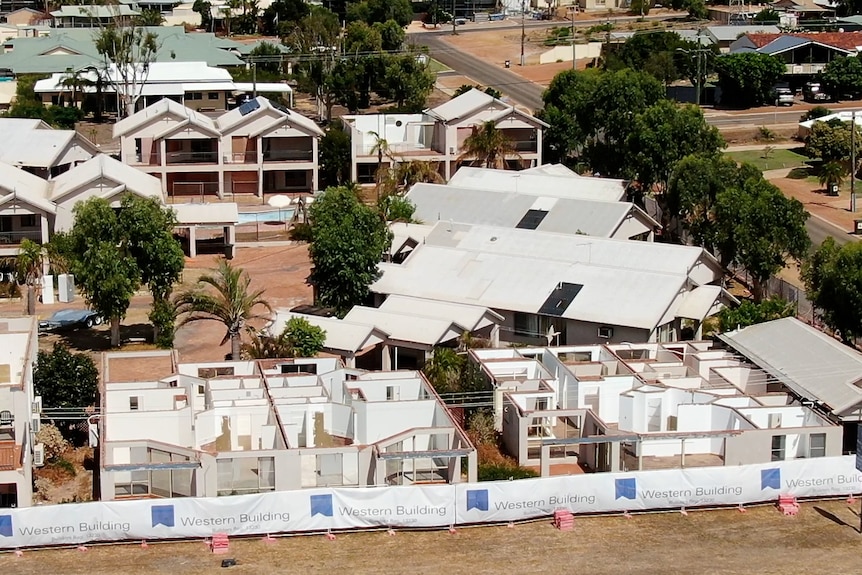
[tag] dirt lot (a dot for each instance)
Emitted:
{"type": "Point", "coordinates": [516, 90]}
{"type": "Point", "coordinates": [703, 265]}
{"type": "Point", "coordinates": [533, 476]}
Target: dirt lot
{"type": "Point", "coordinates": [822, 539]}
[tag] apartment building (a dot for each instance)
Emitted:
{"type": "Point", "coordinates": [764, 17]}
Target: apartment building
{"type": "Point", "coordinates": [633, 406]}
{"type": "Point", "coordinates": [228, 428]}
{"type": "Point", "coordinates": [438, 134]}
{"type": "Point", "coordinates": [256, 149]}
{"type": "Point", "coordinates": [19, 411]}
{"type": "Point", "coordinates": [37, 148]}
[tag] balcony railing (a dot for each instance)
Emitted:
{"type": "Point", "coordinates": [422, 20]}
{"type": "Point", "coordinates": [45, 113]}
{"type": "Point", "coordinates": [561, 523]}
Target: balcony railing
{"type": "Point", "coordinates": [210, 157]}
{"type": "Point", "coordinates": [524, 145]}
{"type": "Point", "coordinates": [804, 68]}
{"type": "Point", "coordinates": [288, 156]}
{"type": "Point", "coordinates": [143, 159]}
{"type": "Point", "coordinates": [14, 238]}
{"type": "Point", "coordinates": [241, 158]}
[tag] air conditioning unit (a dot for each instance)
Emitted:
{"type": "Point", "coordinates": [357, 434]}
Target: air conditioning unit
{"type": "Point", "coordinates": [606, 332]}
{"type": "Point", "coordinates": [36, 424]}
{"type": "Point", "coordinates": [36, 406]}
{"type": "Point", "coordinates": [39, 455]}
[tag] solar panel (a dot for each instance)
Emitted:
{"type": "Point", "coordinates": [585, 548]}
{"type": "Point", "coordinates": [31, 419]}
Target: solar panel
{"type": "Point", "coordinates": [532, 219]}
{"type": "Point", "coordinates": [560, 298]}
{"type": "Point", "coordinates": [249, 107]}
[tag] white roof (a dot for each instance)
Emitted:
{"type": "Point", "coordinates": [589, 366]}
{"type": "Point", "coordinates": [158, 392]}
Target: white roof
{"type": "Point", "coordinates": [470, 317]}
{"type": "Point", "coordinates": [463, 105]}
{"type": "Point", "coordinates": [265, 106]}
{"type": "Point", "coordinates": [209, 213]}
{"type": "Point", "coordinates": [843, 115]}
{"type": "Point", "coordinates": [621, 282]}
{"type": "Point", "coordinates": [730, 33]}
{"type": "Point", "coordinates": [805, 359]}
{"type": "Point", "coordinates": [580, 187]}
{"type": "Point", "coordinates": [552, 170]}
{"type": "Point", "coordinates": [133, 180]}
{"type": "Point", "coordinates": [699, 302]}
{"type": "Point", "coordinates": [406, 326]}
{"type": "Point", "coordinates": [20, 185]}
{"type": "Point", "coordinates": [341, 335]}
{"type": "Point", "coordinates": [264, 87]}
{"type": "Point", "coordinates": [507, 209]}
{"type": "Point", "coordinates": [37, 147]}
{"type": "Point", "coordinates": [94, 11]}
{"type": "Point", "coordinates": [158, 109]}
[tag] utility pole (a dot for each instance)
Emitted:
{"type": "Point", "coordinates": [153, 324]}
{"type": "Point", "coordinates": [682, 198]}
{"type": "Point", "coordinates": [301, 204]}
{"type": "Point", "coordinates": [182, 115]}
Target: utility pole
{"type": "Point", "coordinates": [699, 76]}
{"type": "Point", "coordinates": [253, 79]}
{"type": "Point", "coordinates": [524, 29]}
{"type": "Point", "coordinates": [573, 39]}
{"type": "Point", "coordinates": [853, 161]}
{"type": "Point", "coordinates": [453, 17]}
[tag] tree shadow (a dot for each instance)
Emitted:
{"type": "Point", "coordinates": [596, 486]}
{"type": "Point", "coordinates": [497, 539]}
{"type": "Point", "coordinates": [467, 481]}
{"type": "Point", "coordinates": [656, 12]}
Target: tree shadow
{"type": "Point", "coordinates": [99, 338]}
{"type": "Point", "coordinates": [832, 517]}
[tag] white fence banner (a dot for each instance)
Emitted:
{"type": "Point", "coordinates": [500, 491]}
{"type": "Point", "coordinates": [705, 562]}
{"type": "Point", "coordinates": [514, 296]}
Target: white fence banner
{"type": "Point", "coordinates": [424, 505]}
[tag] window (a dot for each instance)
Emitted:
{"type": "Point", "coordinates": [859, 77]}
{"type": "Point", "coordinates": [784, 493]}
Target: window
{"type": "Point", "coordinates": [392, 393]}
{"type": "Point", "coordinates": [212, 96]}
{"type": "Point", "coordinates": [526, 324]}
{"type": "Point", "coordinates": [299, 368]}
{"type": "Point", "coordinates": [817, 445]}
{"type": "Point", "coordinates": [201, 390]}
{"type": "Point", "coordinates": [209, 372]}
{"type": "Point", "coordinates": [774, 420]}
{"type": "Point", "coordinates": [28, 221]}
{"type": "Point", "coordinates": [194, 96]}
{"type": "Point", "coordinates": [778, 447]}
{"type": "Point", "coordinates": [133, 403]}
{"type": "Point", "coordinates": [245, 475]}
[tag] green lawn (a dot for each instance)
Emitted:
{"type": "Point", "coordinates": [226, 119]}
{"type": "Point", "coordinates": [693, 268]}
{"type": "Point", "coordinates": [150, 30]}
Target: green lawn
{"type": "Point", "coordinates": [437, 67]}
{"type": "Point", "coordinates": [778, 158]}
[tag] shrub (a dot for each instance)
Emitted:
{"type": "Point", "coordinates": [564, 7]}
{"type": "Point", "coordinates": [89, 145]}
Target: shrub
{"type": "Point", "coordinates": [65, 466]}
{"type": "Point", "coordinates": [54, 442]}
{"type": "Point", "coordinates": [503, 472]}
{"type": "Point", "coordinates": [301, 232]}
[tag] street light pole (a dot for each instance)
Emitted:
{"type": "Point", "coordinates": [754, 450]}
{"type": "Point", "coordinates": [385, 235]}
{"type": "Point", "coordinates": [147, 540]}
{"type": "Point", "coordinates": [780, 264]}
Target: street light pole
{"type": "Point", "coordinates": [453, 18]}
{"type": "Point", "coordinates": [853, 161]}
{"type": "Point", "coordinates": [523, 29]}
{"type": "Point", "coordinates": [573, 40]}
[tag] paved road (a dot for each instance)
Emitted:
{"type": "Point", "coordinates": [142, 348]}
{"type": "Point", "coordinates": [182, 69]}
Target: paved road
{"type": "Point", "coordinates": [819, 229]}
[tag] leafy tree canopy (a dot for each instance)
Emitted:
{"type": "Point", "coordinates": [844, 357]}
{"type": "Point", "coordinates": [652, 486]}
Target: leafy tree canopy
{"type": "Point", "coordinates": [371, 11]}
{"type": "Point", "coordinates": [65, 379]}
{"type": "Point", "coordinates": [464, 88]}
{"type": "Point", "coordinates": [348, 241]}
{"type": "Point", "coordinates": [843, 76]}
{"type": "Point", "coordinates": [749, 313]}
{"type": "Point", "coordinates": [833, 280]}
{"type": "Point", "coordinates": [830, 141]}
{"type": "Point", "coordinates": [747, 79]}
{"type": "Point", "coordinates": [568, 109]}
{"type": "Point", "coordinates": [392, 35]}
{"type": "Point", "coordinates": [335, 155]}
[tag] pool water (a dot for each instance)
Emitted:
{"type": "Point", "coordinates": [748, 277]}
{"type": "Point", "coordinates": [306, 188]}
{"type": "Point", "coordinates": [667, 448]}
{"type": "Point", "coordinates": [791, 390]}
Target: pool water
{"type": "Point", "coordinates": [284, 215]}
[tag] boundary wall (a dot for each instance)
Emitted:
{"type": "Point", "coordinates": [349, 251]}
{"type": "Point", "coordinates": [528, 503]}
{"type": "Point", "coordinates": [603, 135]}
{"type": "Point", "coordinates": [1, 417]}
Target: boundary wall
{"type": "Point", "coordinates": [425, 506]}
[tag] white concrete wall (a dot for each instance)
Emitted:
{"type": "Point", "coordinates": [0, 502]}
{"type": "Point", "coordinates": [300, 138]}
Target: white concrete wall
{"type": "Point", "coordinates": [566, 53]}
{"type": "Point", "coordinates": [385, 419]}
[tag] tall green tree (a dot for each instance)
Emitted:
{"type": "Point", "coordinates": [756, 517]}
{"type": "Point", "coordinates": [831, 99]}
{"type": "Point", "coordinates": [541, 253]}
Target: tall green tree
{"type": "Point", "coordinates": [371, 11]}
{"type": "Point", "coordinates": [407, 81]}
{"type": "Point", "coordinates": [760, 229]}
{"type": "Point", "coordinates": [843, 75]}
{"type": "Point", "coordinates": [283, 14]}
{"type": "Point", "coordinates": [833, 280]}
{"type": "Point", "coordinates": [65, 379]}
{"type": "Point", "coordinates": [568, 112]}
{"type": "Point", "coordinates": [747, 79]}
{"type": "Point", "coordinates": [663, 135]}
{"type": "Point", "coordinates": [299, 338]}
{"type": "Point", "coordinates": [159, 256]}
{"type": "Point", "coordinates": [348, 240]}
{"type": "Point", "coordinates": [28, 269]}
{"type": "Point", "coordinates": [488, 145]}
{"type": "Point", "coordinates": [830, 141]}
{"type": "Point", "coordinates": [750, 313]}
{"type": "Point", "coordinates": [335, 155]}
{"type": "Point", "coordinates": [225, 296]}
{"type": "Point", "coordinates": [392, 35]}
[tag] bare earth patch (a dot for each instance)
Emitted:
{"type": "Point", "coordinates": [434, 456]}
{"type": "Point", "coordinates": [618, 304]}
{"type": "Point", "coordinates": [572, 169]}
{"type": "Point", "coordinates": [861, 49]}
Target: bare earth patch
{"type": "Point", "coordinates": [823, 538]}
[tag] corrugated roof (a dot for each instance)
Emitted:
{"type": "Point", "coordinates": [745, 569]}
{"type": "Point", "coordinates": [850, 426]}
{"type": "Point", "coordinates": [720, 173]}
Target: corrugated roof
{"type": "Point", "coordinates": [783, 43]}
{"type": "Point", "coordinates": [435, 202]}
{"type": "Point", "coordinates": [808, 361]}
{"type": "Point", "coordinates": [158, 109]}
{"type": "Point", "coordinates": [40, 148]}
{"type": "Point", "coordinates": [16, 183]}
{"type": "Point", "coordinates": [94, 11]}
{"type": "Point", "coordinates": [730, 33]}
{"type": "Point", "coordinates": [525, 182]}
{"type": "Point", "coordinates": [846, 41]}
{"type": "Point", "coordinates": [239, 115]}
{"type": "Point", "coordinates": [625, 283]}
{"type": "Point", "coordinates": [209, 213]}
{"type": "Point", "coordinates": [463, 105]}
{"type": "Point", "coordinates": [406, 327]}
{"type": "Point", "coordinates": [341, 335]}
{"type": "Point", "coordinates": [471, 317]}
{"type": "Point", "coordinates": [103, 166]}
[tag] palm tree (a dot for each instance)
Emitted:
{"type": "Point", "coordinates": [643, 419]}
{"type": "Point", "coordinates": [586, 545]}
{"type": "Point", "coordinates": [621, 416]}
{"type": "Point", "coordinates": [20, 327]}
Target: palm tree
{"type": "Point", "coordinates": [28, 267]}
{"type": "Point", "coordinates": [232, 304]}
{"type": "Point", "coordinates": [417, 171]}
{"type": "Point", "coordinates": [489, 146]}
{"type": "Point", "coordinates": [831, 173]}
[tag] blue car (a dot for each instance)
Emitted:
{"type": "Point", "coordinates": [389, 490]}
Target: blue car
{"type": "Point", "coordinates": [70, 318]}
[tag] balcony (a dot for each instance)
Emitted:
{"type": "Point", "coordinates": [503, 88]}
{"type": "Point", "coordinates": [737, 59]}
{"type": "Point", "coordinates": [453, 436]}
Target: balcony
{"type": "Point", "coordinates": [288, 155]}
{"type": "Point", "coordinates": [207, 157]}
{"type": "Point", "coordinates": [148, 159]}
{"type": "Point", "coordinates": [804, 69]}
{"type": "Point", "coordinates": [241, 158]}
{"type": "Point", "coordinates": [15, 238]}
{"type": "Point", "coordinates": [528, 146]}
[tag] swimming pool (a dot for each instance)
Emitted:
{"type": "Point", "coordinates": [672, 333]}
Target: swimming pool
{"type": "Point", "coordinates": [284, 215]}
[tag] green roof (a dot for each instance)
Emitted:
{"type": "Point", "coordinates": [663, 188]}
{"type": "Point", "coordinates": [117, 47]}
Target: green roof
{"type": "Point", "coordinates": [34, 55]}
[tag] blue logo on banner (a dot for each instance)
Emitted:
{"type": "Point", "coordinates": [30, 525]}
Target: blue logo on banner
{"type": "Point", "coordinates": [321, 505]}
{"type": "Point", "coordinates": [626, 488]}
{"type": "Point", "coordinates": [162, 515]}
{"type": "Point", "coordinates": [770, 478]}
{"type": "Point", "coordinates": [6, 526]}
{"type": "Point", "coordinates": [477, 499]}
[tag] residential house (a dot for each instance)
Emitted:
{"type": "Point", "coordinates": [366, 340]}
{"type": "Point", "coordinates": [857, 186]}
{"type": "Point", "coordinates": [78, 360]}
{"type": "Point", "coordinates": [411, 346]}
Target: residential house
{"type": "Point", "coordinates": [258, 148]}
{"type": "Point", "coordinates": [402, 333]}
{"type": "Point", "coordinates": [93, 15]}
{"type": "Point", "coordinates": [438, 134]}
{"type": "Point", "coordinates": [804, 54]}
{"type": "Point", "coordinates": [227, 428]}
{"type": "Point", "coordinates": [195, 85]}
{"type": "Point", "coordinates": [20, 411]}
{"type": "Point", "coordinates": [724, 36]}
{"type": "Point", "coordinates": [813, 11]}
{"type": "Point", "coordinates": [549, 211]}
{"type": "Point", "coordinates": [843, 115]}
{"type": "Point", "coordinates": [567, 288]}
{"type": "Point", "coordinates": [633, 406]}
{"type": "Point", "coordinates": [24, 17]}
{"type": "Point", "coordinates": [35, 147]}
{"type": "Point", "coordinates": [554, 180]}
{"type": "Point", "coordinates": [815, 368]}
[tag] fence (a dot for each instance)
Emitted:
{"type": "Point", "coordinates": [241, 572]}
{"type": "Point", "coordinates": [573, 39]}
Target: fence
{"type": "Point", "coordinates": [425, 506]}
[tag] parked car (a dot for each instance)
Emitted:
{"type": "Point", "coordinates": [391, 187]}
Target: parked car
{"type": "Point", "coordinates": [813, 92]}
{"type": "Point", "coordinates": [70, 318]}
{"type": "Point", "coordinates": [784, 97]}
{"type": "Point", "coordinates": [460, 21]}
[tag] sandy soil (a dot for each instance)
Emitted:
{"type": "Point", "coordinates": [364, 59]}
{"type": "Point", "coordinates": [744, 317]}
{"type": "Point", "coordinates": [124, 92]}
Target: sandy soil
{"type": "Point", "coordinates": [823, 538]}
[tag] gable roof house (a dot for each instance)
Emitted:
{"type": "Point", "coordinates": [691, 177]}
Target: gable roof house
{"type": "Point", "coordinates": [563, 287]}
{"type": "Point", "coordinates": [438, 134]}
{"type": "Point", "coordinates": [803, 53]}
{"type": "Point", "coordinates": [35, 147]}
{"type": "Point", "coordinates": [257, 148]}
